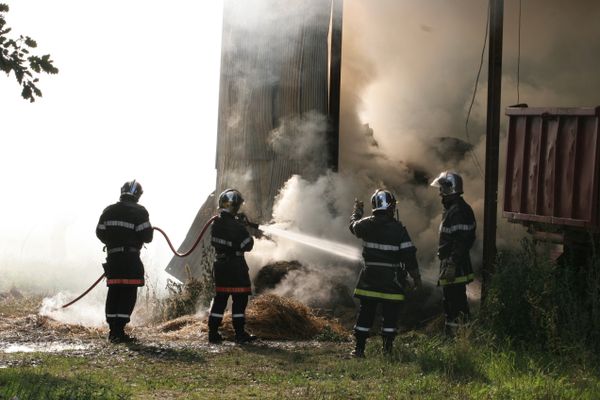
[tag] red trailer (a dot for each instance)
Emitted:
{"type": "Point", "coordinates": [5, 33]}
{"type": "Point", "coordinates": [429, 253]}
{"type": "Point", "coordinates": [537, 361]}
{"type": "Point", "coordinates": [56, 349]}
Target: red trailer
{"type": "Point", "coordinates": [552, 166]}
{"type": "Point", "coordinates": [552, 170]}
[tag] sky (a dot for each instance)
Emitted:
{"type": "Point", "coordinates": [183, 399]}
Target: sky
{"type": "Point", "coordinates": [136, 98]}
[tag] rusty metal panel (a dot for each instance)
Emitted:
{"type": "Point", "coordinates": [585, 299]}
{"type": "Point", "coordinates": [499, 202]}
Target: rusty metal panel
{"type": "Point", "coordinates": [552, 166]}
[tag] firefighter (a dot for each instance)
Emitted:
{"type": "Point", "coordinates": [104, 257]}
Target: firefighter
{"type": "Point", "coordinates": [457, 235]}
{"type": "Point", "coordinates": [388, 255]}
{"type": "Point", "coordinates": [231, 240]}
{"type": "Point", "coordinates": [123, 227]}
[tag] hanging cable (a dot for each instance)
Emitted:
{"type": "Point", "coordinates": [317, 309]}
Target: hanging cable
{"type": "Point", "coordinates": [473, 155]}
{"type": "Point", "coordinates": [519, 57]}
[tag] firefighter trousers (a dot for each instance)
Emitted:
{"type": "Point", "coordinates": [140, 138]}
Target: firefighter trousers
{"type": "Point", "coordinates": [120, 302]}
{"type": "Point", "coordinates": [238, 311]}
{"type": "Point", "coordinates": [366, 317]}
{"type": "Point", "coordinates": [456, 306]}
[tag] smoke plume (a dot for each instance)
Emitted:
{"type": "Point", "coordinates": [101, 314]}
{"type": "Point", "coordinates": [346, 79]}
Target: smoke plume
{"type": "Point", "coordinates": [408, 75]}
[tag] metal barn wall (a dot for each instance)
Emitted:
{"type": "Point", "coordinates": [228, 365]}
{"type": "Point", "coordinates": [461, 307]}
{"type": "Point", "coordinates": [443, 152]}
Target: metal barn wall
{"type": "Point", "coordinates": [270, 70]}
{"type": "Point", "coordinates": [274, 65]}
{"type": "Point", "coordinates": [552, 166]}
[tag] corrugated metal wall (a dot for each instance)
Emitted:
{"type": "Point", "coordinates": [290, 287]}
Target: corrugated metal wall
{"type": "Point", "coordinates": [269, 71]}
{"type": "Point", "coordinates": [274, 65]}
{"type": "Point", "coordinates": [552, 166]}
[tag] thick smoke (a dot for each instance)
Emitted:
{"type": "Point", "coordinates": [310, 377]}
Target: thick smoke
{"type": "Point", "coordinates": [302, 139]}
{"type": "Point", "coordinates": [318, 208]}
{"type": "Point", "coordinates": [408, 74]}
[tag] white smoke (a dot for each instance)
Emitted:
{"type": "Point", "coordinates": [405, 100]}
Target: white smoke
{"type": "Point", "coordinates": [89, 311]}
{"type": "Point", "coordinates": [302, 138]}
{"type": "Point", "coordinates": [408, 74]}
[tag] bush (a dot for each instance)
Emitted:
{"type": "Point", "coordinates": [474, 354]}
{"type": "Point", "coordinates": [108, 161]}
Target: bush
{"type": "Point", "coordinates": [459, 360]}
{"type": "Point", "coordinates": [185, 298]}
{"type": "Point", "coordinates": [552, 305]}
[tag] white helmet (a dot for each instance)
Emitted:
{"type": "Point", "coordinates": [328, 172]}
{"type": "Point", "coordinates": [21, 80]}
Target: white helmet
{"type": "Point", "coordinates": [231, 200]}
{"type": "Point", "coordinates": [383, 200]}
{"type": "Point", "coordinates": [132, 189]}
{"type": "Point", "coordinates": [448, 183]}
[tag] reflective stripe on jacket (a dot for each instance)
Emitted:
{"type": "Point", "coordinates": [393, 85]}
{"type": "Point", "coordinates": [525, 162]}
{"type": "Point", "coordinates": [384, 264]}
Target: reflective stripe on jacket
{"type": "Point", "coordinates": [457, 236]}
{"type": "Point", "coordinates": [230, 240]}
{"type": "Point", "coordinates": [388, 252]}
{"type": "Point", "coordinates": [124, 227]}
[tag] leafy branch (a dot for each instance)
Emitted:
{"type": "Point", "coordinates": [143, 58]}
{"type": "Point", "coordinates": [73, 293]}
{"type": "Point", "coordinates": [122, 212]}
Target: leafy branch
{"type": "Point", "coordinates": [15, 56]}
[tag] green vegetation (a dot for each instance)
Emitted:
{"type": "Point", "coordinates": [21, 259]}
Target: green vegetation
{"type": "Point", "coordinates": [537, 338]}
{"type": "Point", "coordinates": [551, 306]}
{"type": "Point", "coordinates": [15, 57]}
{"type": "Point", "coordinates": [183, 299]}
{"type": "Point", "coordinates": [421, 367]}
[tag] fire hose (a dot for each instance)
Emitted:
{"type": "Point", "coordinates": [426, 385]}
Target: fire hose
{"type": "Point", "coordinates": [187, 253]}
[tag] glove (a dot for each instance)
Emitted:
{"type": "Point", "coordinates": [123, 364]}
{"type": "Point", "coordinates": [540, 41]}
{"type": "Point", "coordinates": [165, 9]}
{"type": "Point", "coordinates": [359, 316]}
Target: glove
{"type": "Point", "coordinates": [448, 270]}
{"type": "Point", "coordinates": [358, 208]}
{"type": "Point", "coordinates": [242, 219]}
{"type": "Point", "coordinates": [417, 282]}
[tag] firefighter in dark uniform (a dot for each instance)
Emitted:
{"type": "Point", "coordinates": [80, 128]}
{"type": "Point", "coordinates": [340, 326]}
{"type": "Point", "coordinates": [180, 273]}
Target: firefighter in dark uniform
{"type": "Point", "coordinates": [123, 227]}
{"type": "Point", "coordinates": [457, 235]}
{"type": "Point", "coordinates": [389, 256]}
{"type": "Point", "coordinates": [231, 240]}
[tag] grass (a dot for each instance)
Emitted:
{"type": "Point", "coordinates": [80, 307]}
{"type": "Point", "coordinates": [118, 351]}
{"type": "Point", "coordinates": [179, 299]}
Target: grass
{"type": "Point", "coordinates": [538, 341]}
{"type": "Point", "coordinates": [421, 367]}
{"type": "Point", "coordinates": [19, 306]}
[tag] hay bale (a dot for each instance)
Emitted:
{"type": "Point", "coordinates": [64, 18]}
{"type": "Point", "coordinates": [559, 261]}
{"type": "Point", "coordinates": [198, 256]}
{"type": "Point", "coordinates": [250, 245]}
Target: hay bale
{"type": "Point", "coordinates": [271, 275]}
{"type": "Point", "coordinates": [177, 324]}
{"type": "Point", "coordinates": [273, 317]}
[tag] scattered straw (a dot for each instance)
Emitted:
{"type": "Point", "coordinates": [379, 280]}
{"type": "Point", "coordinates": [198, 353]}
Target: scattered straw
{"type": "Point", "coordinates": [278, 318]}
{"type": "Point", "coordinates": [268, 316]}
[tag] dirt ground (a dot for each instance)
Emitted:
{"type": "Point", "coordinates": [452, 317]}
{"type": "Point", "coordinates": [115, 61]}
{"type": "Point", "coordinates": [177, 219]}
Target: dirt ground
{"type": "Point", "coordinates": [23, 330]}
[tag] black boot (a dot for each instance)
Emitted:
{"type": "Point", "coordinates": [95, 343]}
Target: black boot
{"type": "Point", "coordinates": [359, 349]}
{"type": "Point", "coordinates": [213, 330]}
{"type": "Point", "coordinates": [122, 336]}
{"type": "Point", "coordinates": [113, 336]}
{"type": "Point", "coordinates": [241, 336]}
{"type": "Point", "coordinates": [388, 344]}
{"type": "Point", "coordinates": [451, 329]}
{"type": "Point", "coordinates": [244, 337]}
{"type": "Point", "coordinates": [214, 337]}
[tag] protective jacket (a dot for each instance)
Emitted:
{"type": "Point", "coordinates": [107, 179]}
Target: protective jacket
{"type": "Point", "coordinates": [457, 235]}
{"type": "Point", "coordinates": [124, 227]}
{"type": "Point", "coordinates": [230, 240]}
{"type": "Point", "coordinates": [388, 254]}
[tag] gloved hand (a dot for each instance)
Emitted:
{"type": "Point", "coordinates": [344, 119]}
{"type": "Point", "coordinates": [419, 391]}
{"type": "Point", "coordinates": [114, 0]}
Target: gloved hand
{"type": "Point", "coordinates": [358, 208]}
{"type": "Point", "coordinates": [242, 219]}
{"type": "Point", "coordinates": [448, 270]}
{"type": "Point", "coordinates": [417, 283]}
